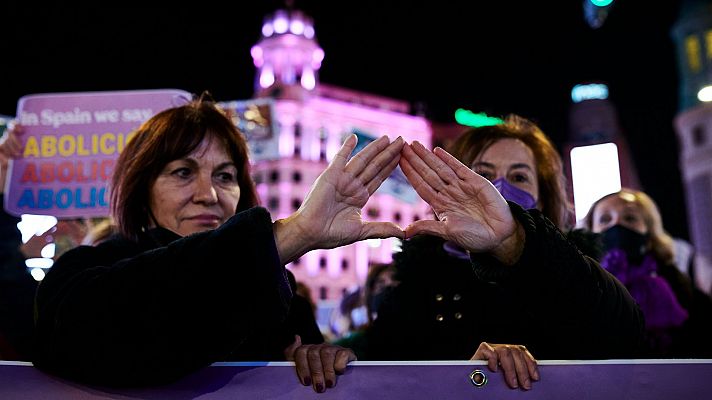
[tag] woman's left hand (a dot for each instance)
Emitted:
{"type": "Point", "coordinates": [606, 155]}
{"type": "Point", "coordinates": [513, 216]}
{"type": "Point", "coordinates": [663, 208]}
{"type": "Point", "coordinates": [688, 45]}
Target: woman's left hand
{"type": "Point", "coordinates": [518, 365]}
{"type": "Point", "coordinates": [318, 364]}
{"type": "Point", "coordinates": [469, 209]}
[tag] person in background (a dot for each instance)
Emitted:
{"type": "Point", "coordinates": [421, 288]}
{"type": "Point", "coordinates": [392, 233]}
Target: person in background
{"type": "Point", "coordinates": [196, 274]}
{"type": "Point", "coordinates": [379, 281]}
{"type": "Point", "coordinates": [493, 276]}
{"type": "Point", "coordinates": [640, 253]}
{"type": "Point", "coordinates": [17, 287]}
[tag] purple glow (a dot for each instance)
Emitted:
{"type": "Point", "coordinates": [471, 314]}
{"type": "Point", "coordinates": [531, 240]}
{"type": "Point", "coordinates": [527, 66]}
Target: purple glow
{"type": "Point", "coordinates": [266, 77]}
{"type": "Point", "coordinates": [317, 57]}
{"type": "Point", "coordinates": [309, 31]}
{"type": "Point", "coordinates": [296, 27]}
{"type": "Point", "coordinates": [280, 24]}
{"type": "Point", "coordinates": [257, 56]}
{"type": "Point", "coordinates": [267, 29]}
{"type": "Point", "coordinates": [308, 79]}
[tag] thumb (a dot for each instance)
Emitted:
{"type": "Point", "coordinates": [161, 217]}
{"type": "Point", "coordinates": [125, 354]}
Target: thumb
{"type": "Point", "coordinates": [289, 351]}
{"type": "Point", "coordinates": [382, 230]}
{"type": "Point", "coordinates": [429, 227]}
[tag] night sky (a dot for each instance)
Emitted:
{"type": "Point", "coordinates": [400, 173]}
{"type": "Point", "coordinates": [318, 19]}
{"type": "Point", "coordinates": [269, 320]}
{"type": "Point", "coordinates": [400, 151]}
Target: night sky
{"type": "Point", "coordinates": [497, 57]}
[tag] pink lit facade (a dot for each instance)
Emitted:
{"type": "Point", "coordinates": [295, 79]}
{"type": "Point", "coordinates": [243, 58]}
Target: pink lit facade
{"type": "Point", "coordinates": [311, 122]}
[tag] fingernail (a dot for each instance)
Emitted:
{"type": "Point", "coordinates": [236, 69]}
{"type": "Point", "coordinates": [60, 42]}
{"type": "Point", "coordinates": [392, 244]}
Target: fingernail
{"type": "Point", "coordinates": [319, 387]}
{"type": "Point", "coordinates": [514, 383]}
{"type": "Point", "coordinates": [535, 375]}
{"type": "Point", "coordinates": [307, 381]}
{"type": "Point", "coordinates": [329, 383]}
{"type": "Point", "coordinates": [527, 384]}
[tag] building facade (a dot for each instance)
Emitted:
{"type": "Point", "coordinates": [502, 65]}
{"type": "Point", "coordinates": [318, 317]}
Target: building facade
{"type": "Point", "coordinates": [310, 122]}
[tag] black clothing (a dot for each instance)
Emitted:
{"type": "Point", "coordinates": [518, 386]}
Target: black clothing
{"type": "Point", "coordinates": [17, 293]}
{"type": "Point", "coordinates": [148, 312]}
{"type": "Point", "coordinates": [692, 339]}
{"type": "Point", "coordinates": [557, 302]}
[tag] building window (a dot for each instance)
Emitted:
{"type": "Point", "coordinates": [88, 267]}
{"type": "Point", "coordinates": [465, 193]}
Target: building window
{"type": "Point", "coordinates": [699, 137]}
{"type": "Point", "coordinates": [296, 203]}
{"type": "Point", "coordinates": [344, 264]}
{"type": "Point", "coordinates": [323, 292]}
{"type": "Point", "coordinates": [273, 203]}
{"type": "Point", "coordinates": [322, 262]}
{"type": "Point", "coordinates": [296, 177]}
{"type": "Point", "coordinates": [373, 212]}
{"type": "Point", "coordinates": [397, 217]}
{"type": "Point", "coordinates": [416, 217]}
{"type": "Point", "coordinates": [297, 130]}
{"type": "Point", "coordinates": [274, 176]}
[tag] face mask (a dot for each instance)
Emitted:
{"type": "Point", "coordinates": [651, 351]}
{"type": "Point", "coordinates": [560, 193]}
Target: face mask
{"type": "Point", "coordinates": [515, 194]}
{"type": "Point", "coordinates": [634, 244]}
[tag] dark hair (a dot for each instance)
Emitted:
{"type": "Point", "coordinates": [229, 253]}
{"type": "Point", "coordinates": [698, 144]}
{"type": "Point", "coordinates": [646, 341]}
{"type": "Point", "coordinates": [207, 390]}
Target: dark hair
{"type": "Point", "coordinates": [549, 169]}
{"type": "Point", "coordinates": [167, 136]}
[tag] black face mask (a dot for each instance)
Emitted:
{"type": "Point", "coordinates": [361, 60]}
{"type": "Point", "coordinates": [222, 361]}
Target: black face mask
{"type": "Point", "coordinates": [634, 244]}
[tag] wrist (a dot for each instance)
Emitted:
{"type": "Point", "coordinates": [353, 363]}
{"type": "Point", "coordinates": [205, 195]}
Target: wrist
{"type": "Point", "coordinates": [291, 239]}
{"type": "Point", "coordinates": [511, 248]}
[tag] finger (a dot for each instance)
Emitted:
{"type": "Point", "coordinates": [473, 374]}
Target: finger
{"type": "Point", "coordinates": [316, 369]}
{"type": "Point", "coordinates": [328, 359]}
{"type": "Point", "coordinates": [506, 361]}
{"type": "Point", "coordinates": [382, 161]}
{"type": "Point", "coordinates": [428, 175]}
{"type": "Point", "coordinates": [301, 363]}
{"type": "Point", "coordinates": [486, 352]}
{"type": "Point", "coordinates": [381, 230]}
{"type": "Point", "coordinates": [425, 226]}
{"type": "Point", "coordinates": [521, 368]}
{"type": "Point", "coordinates": [531, 365]}
{"type": "Point", "coordinates": [382, 174]}
{"type": "Point", "coordinates": [461, 170]}
{"type": "Point", "coordinates": [424, 190]}
{"type": "Point", "coordinates": [343, 357]}
{"type": "Point", "coordinates": [363, 158]}
{"type": "Point", "coordinates": [342, 156]}
{"type": "Point", "coordinates": [442, 169]}
{"type": "Point", "coordinates": [289, 351]}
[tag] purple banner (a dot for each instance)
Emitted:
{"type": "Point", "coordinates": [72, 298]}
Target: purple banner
{"type": "Point", "coordinates": [624, 379]}
{"type": "Point", "coordinates": [70, 144]}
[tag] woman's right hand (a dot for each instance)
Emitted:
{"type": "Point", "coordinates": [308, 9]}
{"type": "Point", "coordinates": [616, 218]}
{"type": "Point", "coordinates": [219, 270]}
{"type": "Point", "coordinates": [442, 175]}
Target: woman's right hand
{"type": "Point", "coordinates": [330, 215]}
{"type": "Point", "coordinates": [518, 365]}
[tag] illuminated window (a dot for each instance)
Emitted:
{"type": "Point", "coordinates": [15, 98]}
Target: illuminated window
{"type": "Point", "coordinates": [274, 176]}
{"type": "Point", "coordinates": [692, 49]}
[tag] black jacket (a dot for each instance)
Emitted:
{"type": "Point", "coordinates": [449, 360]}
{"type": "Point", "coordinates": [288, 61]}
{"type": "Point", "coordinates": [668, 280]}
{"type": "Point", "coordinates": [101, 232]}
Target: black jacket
{"type": "Point", "coordinates": [148, 312]}
{"type": "Point", "coordinates": [557, 302]}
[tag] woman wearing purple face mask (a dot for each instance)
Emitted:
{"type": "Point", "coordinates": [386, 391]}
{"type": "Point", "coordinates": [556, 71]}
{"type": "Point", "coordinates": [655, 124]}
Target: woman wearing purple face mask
{"type": "Point", "coordinates": [640, 253]}
{"type": "Point", "coordinates": [494, 265]}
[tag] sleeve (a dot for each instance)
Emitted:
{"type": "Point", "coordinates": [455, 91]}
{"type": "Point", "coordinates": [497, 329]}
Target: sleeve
{"type": "Point", "coordinates": [160, 314]}
{"type": "Point", "coordinates": [583, 312]}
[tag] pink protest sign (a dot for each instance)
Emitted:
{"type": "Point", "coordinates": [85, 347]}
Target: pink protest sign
{"type": "Point", "coordinates": [70, 145]}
